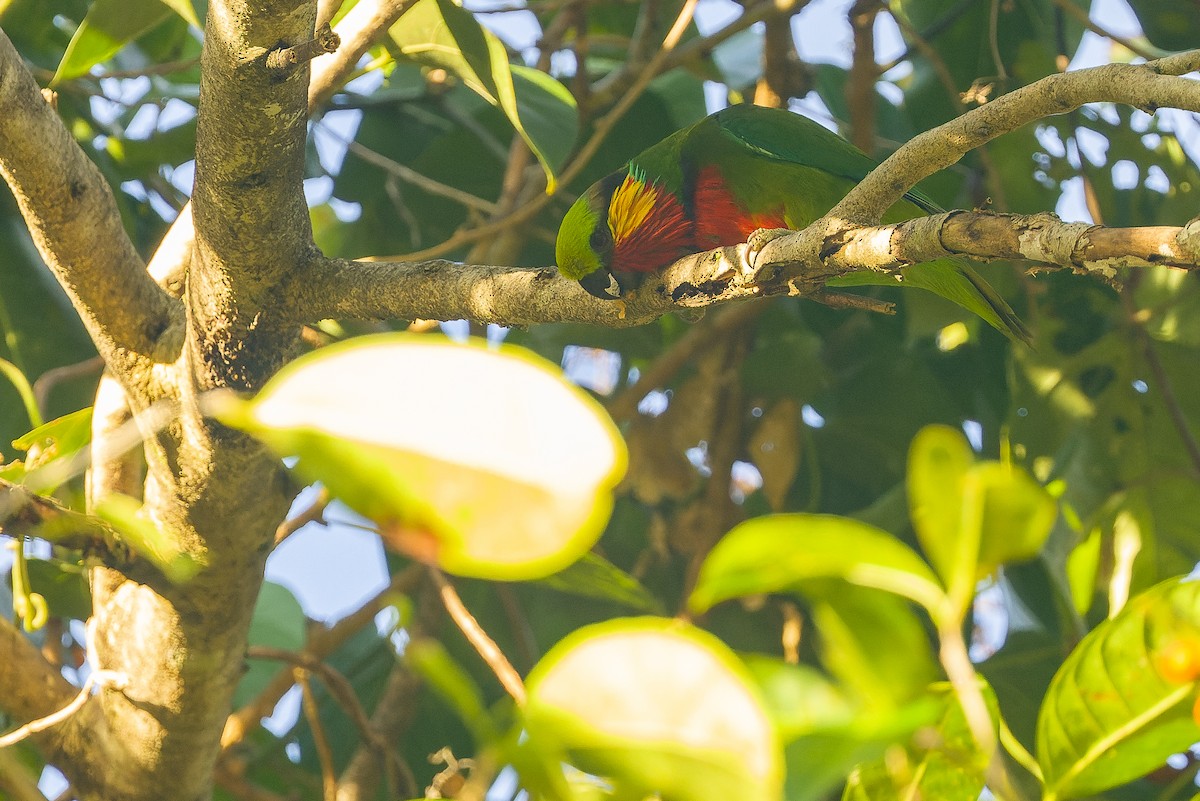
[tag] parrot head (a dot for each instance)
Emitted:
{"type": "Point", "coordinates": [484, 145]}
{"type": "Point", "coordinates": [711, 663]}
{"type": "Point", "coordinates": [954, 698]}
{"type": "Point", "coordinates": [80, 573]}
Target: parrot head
{"type": "Point", "coordinates": [584, 248]}
{"type": "Point", "coordinates": [622, 228]}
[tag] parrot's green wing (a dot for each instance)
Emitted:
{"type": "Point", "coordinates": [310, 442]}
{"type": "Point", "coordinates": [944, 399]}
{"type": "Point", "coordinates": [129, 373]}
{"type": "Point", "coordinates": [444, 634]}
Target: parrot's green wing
{"type": "Point", "coordinates": [791, 139]}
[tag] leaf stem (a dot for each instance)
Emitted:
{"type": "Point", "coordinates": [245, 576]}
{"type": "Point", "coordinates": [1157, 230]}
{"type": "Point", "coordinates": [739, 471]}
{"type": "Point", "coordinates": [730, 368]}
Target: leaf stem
{"type": "Point", "coordinates": [957, 663]}
{"type": "Point", "coordinates": [479, 639]}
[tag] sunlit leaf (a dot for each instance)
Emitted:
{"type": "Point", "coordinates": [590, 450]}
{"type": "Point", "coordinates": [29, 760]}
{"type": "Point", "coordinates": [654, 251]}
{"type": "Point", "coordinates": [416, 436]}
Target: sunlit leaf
{"type": "Point", "coordinates": [483, 461]}
{"type": "Point", "coordinates": [1118, 706]}
{"type": "Point", "coordinates": [938, 461]}
{"type": "Point", "coordinates": [54, 451]}
{"type": "Point", "coordinates": [109, 26]}
{"type": "Point", "coordinates": [655, 706]}
{"type": "Point", "coordinates": [778, 552]}
{"type": "Point", "coordinates": [440, 34]}
{"type": "Point", "coordinates": [872, 642]}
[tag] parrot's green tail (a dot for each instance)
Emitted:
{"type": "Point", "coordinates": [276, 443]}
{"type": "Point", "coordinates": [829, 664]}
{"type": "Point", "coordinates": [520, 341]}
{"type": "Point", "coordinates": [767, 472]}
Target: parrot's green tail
{"type": "Point", "coordinates": [1005, 319]}
{"type": "Point", "coordinates": [955, 281]}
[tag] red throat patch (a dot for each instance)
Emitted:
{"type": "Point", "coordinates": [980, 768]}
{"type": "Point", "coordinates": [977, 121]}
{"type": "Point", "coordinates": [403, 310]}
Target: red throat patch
{"type": "Point", "coordinates": [649, 226]}
{"type": "Point", "coordinates": [719, 220]}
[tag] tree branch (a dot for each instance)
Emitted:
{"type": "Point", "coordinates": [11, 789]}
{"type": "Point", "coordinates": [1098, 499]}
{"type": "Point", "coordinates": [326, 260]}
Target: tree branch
{"type": "Point", "coordinates": [73, 218]}
{"type": "Point", "coordinates": [1147, 86]}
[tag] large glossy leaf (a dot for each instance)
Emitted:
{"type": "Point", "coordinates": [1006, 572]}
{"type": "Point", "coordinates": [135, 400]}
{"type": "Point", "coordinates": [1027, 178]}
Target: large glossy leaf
{"type": "Point", "coordinates": [778, 552]}
{"type": "Point", "coordinates": [655, 706]}
{"type": "Point", "coordinates": [485, 462]}
{"type": "Point", "coordinates": [1117, 708]}
{"type": "Point", "coordinates": [438, 33]}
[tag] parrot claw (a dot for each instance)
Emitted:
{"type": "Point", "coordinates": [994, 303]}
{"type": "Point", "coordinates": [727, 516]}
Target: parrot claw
{"type": "Point", "coordinates": [760, 238]}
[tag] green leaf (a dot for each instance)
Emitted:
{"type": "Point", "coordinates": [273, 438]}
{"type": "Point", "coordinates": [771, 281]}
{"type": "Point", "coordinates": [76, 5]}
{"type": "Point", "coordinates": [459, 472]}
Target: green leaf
{"type": "Point", "coordinates": [778, 552]}
{"type": "Point", "coordinates": [108, 26]}
{"type": "Point", "coordinates": [595, 577]}
{"type": "Point", "coordinates": [655, 706]}
{"type": "Point", "coordinates": [971, 518]}
{"type": "Point", "coordinates": [53, 451]}
{"type": "Point", "coordinates": [798, 697]}
{"type": "Point", "coordinates": [440, 34]}
{"type": "Point", "coordinates": [278, 622]}
{"type": "Point", "coordinates": [64, 586]}
{"type": "Point", "coordinates": [872, 642]}
{"type": "Point", "coordinates": [945, 763]}
{"type": "Point", "coordinates": [1114, 710]}
{"type": "Point", "coordinates": [1017, 514]}
{"type": "Point", "coordinates": [938, 461]}
{"type": "Point", "coordinates": [484, 461]}
{"type": "Point", "coordinates": [429, 659]}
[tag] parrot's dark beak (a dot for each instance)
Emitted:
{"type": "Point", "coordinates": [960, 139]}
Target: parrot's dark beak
{"type": "Point", "coordinates": [601, 284]}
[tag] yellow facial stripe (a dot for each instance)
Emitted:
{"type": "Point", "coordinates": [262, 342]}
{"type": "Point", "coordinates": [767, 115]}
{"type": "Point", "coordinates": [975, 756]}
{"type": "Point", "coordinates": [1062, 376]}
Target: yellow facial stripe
{"type": "Point", "coordinates": [631, 204]}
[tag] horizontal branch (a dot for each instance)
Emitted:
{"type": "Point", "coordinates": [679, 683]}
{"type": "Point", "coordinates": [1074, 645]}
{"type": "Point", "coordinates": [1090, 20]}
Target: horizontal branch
{"type": "Point", "coordinates": [1043, 239]}
{"type": "Point", "coordinates": [521, 296]}
{"type": "Point", "coordinates": [1149, 86]}
{"type": "Point", "coordinates": [444, 290]}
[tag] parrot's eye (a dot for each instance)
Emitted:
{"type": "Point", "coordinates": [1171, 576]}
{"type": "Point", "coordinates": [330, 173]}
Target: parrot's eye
{"type": "Point", "coordinates": [600, 241]}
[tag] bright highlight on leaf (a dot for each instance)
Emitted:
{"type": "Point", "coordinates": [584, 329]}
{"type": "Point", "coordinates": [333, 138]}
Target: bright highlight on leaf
{"type": "Point", "coordinates": [655, 706]}
{"type": "Point", "coordinates": [441, 34]}
{"type": "Point", "coordinates": [485, 462]}
{"type": "Point", "coordinates": [1120, 704]}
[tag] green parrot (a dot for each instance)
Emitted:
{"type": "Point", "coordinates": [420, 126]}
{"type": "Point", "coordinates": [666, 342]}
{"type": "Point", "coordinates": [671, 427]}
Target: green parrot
{"type": "Point", "coordinates": [713, 183]}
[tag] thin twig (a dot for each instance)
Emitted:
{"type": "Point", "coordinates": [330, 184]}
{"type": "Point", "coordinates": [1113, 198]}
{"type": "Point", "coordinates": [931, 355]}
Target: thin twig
{"type": "Point", "coordinates": [324, 753]}
{"type": "Point", "coordinates": [994, 40]}
{"type": "Point", "coordinates": [97, 678]}
{"type": "Point", "coordinates": [321, 643]}
{"type": "Point", "coordinates": [479, 639]}
{"type": "Point", "coordinates": [411, 176]}
{"type": "Point", "coordinates": [313, 513]}
{"type": "Point", "coordinates": [1086, 21]}
{"type": "Point", "coordinates": [864, 72]}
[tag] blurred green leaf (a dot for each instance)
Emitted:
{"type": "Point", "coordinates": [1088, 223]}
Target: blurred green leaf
{"type": "Point", "coordinates": [655, 706]}
{"type": "Point", "coordinates": [64, 586]}
{"type": "Point", "coordinates": [1114, 711]}
{"type": "Point", "coordinates": [945, 763]}
{"type": "Point", "coordinates": [872, 642]}
{"type": "Point", "coordinates": [938, 463]}
{"type": "Point", "coordinates": [595, 577]}
{"type": "Point", "coordinates": [474, 473]}
{"type": "Point", "coordinates": [430, 660]}
{"type": "Point", "coordinates": [777, 553]}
